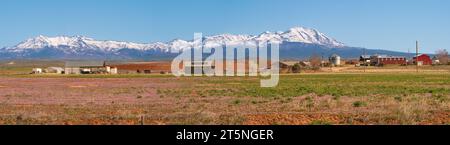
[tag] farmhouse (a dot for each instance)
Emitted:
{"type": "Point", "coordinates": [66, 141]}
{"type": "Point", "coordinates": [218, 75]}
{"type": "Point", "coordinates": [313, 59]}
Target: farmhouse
{"type": "Point", "coordinates": [88, 67]}
{"type": "Point", "coordinates": [423, 60]}
{"type": "Point", "coordinates": [380, 60]}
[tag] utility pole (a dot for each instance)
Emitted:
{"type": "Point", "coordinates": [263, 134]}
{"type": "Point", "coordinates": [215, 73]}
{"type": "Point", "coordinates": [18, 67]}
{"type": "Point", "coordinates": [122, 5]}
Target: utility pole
{"type": "Point", "coordinates": [407, 58]}
{"type": "Point", "coordinates": [417, 56]}
{"type": "Point", "coordinates": [364, 59]}
{"type": "Point", "coordinates": [321, 61]}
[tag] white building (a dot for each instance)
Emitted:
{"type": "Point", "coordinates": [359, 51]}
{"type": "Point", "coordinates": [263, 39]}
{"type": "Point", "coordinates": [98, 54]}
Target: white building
{"type": "Point", "coordinates": [37, 70]}
{"type": "Point", "coordinates": [435, 61]}
{"type": "Point", "coordinates": [111, 70]}
{"type": "Point", "coordinates": [57, 70]}
{"type": "Point", "coordinates": [84, 67]}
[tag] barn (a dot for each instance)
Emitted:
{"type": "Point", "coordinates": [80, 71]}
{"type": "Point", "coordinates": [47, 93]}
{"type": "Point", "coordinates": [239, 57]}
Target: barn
{"type": "Point", "coordinates": [87, 67]}
{"type": "Point", "coordinates": [423, 60]}
{"type": "Point", "coordinates": [380, 60]}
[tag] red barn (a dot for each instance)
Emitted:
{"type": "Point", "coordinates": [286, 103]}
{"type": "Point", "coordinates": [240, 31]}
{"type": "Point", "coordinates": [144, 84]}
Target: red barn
{"type": "Point", "coordinates": [423, 60]}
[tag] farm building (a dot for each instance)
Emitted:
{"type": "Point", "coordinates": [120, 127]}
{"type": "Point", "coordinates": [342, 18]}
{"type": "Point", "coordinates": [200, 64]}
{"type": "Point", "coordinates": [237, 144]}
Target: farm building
{"type": "Point", "coordinates": [380, 60]}
{"type": "Point", "coordinates": [57, 70]}
{"type": "Point", "coordinates": [364, 59]}
{"type": "Point", "coordinates": [288, 66]}
{"type": "Point", "coordinates": [86, 67]}
{"type": "Point", "coordinates": [307, 63]}
{"type": "Point", "coordinates": [436, 60]}
{"type": "Point", "coordinates": [352, 61]}
{"type": "Point", "coordinates": [423, 60]}
{"type": "Point", "coordinates": [196, 67]}
{"type": "Point", "coordinates": [37, 71]}
{"type": "Point", "coordinates": [111, 70]}
{"type": "Point", "coordinates": [236, 67]}
{"type": "Point", "coordinates": [335, 60]}
{"type": "Point", "coordinates": [249, 65]}
{"type": "Point", "coordinates": [142, 68]}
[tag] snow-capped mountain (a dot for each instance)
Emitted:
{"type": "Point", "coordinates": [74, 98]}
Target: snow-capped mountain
{"type": "Point", "coordinates": [79, 43]}
{"type": "Point", "coordinates": [296, 39]}
{"type": "Point", "coordinates": [310, 36]}
{"type": "Point", "coordinates": [297, 34]}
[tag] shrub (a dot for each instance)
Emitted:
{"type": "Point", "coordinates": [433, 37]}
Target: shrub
{"type": "Point", "coordinates": [398, 98]}
{"type": "Point", "coordinates": [296, 68]}
{"type": "Point", "coordinates": [359, 104]}
{"type": "Point", "coordinates": [237, 102]}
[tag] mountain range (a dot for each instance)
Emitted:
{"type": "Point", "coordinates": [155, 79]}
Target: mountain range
{"type": "Point", "coordinates": [296, 43]}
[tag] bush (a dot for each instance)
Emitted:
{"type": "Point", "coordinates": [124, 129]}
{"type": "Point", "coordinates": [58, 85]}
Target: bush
{"type": "Point", "coordinates": [237, 102]}
{"type": "Point", "coordinates": [296, 68]}
{"type": "Point", "coordinates": [398, 98]}
{"type": "Point", "coordinates": [359, 104]}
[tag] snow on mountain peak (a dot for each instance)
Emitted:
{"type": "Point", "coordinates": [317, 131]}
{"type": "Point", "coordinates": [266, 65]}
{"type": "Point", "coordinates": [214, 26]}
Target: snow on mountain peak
{"type": "Point", "coordinates": [81, 43]}
{"type": "Point", "coordinates": [307, 35]}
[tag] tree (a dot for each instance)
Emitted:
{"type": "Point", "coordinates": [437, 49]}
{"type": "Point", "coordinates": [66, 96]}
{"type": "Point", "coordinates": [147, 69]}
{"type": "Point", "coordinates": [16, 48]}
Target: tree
{"type": "Point", "coordinates": [442, 56]}
{"type": "Point", "coordinates": [296, 68]}
{"type": "Point", "coordinates": [315, 61]}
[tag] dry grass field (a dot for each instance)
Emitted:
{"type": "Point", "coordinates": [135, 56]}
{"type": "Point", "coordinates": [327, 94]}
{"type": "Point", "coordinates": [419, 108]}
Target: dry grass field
{"type": "Point", "coordinates": [344, 97]}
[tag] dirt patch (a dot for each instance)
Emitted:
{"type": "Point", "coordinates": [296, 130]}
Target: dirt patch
{"type": "Point", "coordinates": [293, 119]}
{"type": "Point", "coordinates": [334, 119]}
{"type": "Point", "coordinates": [438, 118]}
{"type": "Point", "coordinates": [202, 100]}
{"type": "Point", "coordinates": [77, 86]}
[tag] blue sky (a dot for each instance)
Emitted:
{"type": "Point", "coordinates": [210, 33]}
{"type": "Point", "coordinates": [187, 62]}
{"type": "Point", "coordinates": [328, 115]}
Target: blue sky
{"type": "Point", "coordinates": [375, 24]}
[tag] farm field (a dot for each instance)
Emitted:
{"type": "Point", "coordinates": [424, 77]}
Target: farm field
{"type": "Point", "coordinates": [299, 99]}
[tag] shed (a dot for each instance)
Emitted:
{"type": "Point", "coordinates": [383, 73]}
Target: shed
{"type": "Point", "coordinates": [37, 71]}
{"type": "Point", "coordinates": [84, 67]}
{"type": "Point", "coordinates": [379, 60]}
{"type": "Point", "coordinates": [57, 70]}
{"type": "Point", "coordinates": [436, 60]}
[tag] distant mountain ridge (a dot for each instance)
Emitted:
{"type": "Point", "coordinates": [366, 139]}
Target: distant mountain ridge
{"type": "Point", "coordinates": [296, 43]}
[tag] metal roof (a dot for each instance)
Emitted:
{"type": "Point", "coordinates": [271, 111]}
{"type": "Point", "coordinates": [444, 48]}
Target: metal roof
{"type": "Point", "coordinates": [386, 56]}
{"type": "Point", "coordinates": [365, 56]}
{"type": "Point", "coordinates": [335, 55]}
{"type": "Point", "coordinates": [85, 63]}
{"type": "Point", "coordinates": [56, 68]}
{"type": "Point", "coordinates": [290, 63]}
